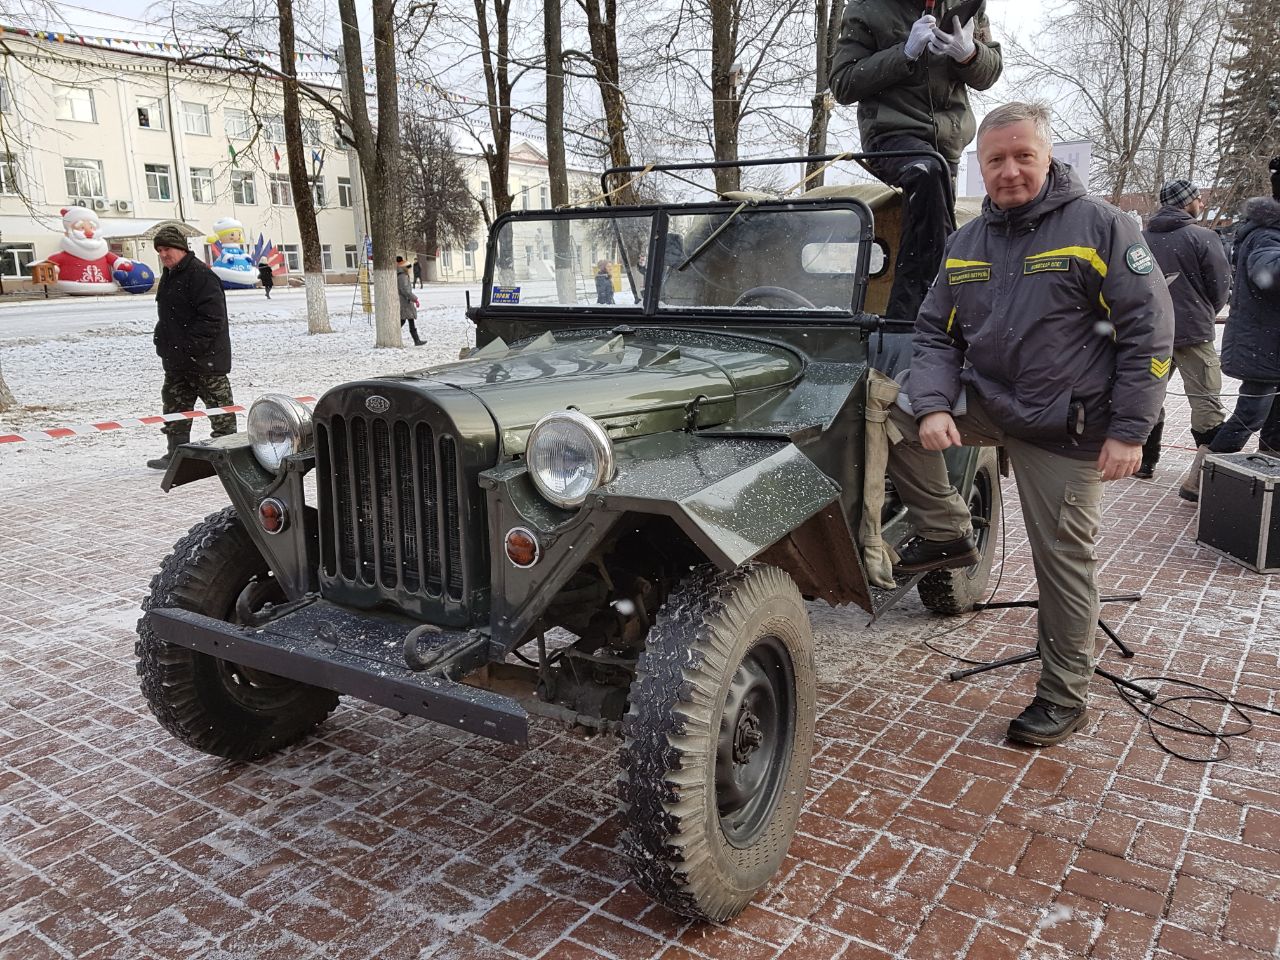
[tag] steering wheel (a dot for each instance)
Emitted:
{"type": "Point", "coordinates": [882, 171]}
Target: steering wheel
{"type": "Point", "coordinates": [759, 294]}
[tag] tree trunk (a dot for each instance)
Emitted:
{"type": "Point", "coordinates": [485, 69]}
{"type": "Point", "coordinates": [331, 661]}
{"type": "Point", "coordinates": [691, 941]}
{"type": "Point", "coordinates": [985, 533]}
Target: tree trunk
{"type": "Point", "coordinates": [602, 28]}
{"type": "Point", "coordinates": [7, 402]}
{"type": "Point", "coordinates": [557, 168]}
{"type": "Point", "coordinates": [826, 27]}
{"type": "Point", "coordinates": [303, 199]}
{"type": "Point", "coordinates": [724, 93]}
{"type": "Point", "coordinates": [373, 165]}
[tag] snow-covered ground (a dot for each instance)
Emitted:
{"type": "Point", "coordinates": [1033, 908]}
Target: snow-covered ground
{"type": "Point", "coordinates": [74, 361]}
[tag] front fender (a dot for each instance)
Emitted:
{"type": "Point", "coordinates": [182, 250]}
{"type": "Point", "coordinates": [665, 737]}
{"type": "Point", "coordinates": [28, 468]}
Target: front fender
{"type": "Point", "coordinates": [291, 554]}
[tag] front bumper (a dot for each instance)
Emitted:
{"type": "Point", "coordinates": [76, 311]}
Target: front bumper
{"type": "Point", "coordinates": [361, 656]}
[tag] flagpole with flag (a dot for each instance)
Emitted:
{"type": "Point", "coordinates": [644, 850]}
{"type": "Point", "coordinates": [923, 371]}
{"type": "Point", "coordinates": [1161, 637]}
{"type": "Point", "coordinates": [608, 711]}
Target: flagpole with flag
{"type": "Point", "coordinates": [276, 152]}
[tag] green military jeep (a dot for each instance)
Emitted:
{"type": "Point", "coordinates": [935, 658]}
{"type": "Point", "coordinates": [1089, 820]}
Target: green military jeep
{"type": "Point", "coordinates": [611, 512]}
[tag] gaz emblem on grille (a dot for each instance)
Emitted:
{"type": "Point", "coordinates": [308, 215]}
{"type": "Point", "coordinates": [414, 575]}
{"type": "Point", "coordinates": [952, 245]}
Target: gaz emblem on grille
{"type": "Point", "coordinates": [377, 404]}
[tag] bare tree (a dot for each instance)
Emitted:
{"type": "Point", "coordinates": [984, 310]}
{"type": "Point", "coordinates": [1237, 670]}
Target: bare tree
{"type": "Point", "coordinates": [602, 31]}
{"type": "Point", "coordinates": [1133, 77]}
{"type": "Point", "coordinates": [7, 402]}
{"type": "Point", "coordinates": [826, 28]}
{"type": "Point", "coordinates": [438, 209]}
{"type": "Point", "coordinates": [557, 167]}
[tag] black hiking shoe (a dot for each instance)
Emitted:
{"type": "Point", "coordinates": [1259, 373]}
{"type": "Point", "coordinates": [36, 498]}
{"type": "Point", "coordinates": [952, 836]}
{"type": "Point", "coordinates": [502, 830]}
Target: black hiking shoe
{"type": "Point", "coordinates": [159, 463]}
{"type": "Point", "coordinates": [1042, 724]}
{"type": "Point", "coordinates": [921, 555]}
{"type": "Point", "coordinates": [1145, 472]}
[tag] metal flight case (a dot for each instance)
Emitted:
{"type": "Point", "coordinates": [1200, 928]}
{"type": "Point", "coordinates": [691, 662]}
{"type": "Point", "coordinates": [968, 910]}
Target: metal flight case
{"type": "Point", "coordinates": [1238, 514]}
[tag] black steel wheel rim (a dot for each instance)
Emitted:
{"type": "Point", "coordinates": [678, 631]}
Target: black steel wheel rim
{"type": "Point", "coordinates": [981, 500]}
{"type": "Point", "coordinates": [256, 689]}
{"type": "Point", "coordinates": [753, 744]}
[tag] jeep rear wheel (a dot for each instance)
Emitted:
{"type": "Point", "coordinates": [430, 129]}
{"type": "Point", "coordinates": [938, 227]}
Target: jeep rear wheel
{"type": "Point", "coordinates": [214, 705]}
{"type": "Point", "coordinates": [718, 739]}
{"type": "Point", "coordinates": [953, 592]}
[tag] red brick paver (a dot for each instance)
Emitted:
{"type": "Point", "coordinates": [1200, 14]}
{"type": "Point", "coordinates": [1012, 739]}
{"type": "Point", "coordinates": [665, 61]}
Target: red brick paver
{"type": "Point", "coordinates": [924, 834]}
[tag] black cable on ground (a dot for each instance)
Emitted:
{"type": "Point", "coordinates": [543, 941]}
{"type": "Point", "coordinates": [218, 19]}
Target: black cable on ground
{"type": "Point", "coordinates": [1152, 710]}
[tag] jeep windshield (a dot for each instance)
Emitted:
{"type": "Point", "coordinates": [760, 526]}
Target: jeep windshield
{"type": "Point", "coordinates": [793, 259]}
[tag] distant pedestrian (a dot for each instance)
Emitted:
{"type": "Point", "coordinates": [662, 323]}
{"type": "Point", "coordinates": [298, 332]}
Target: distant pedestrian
{"type": "Point", "coordinates": [192, 340]}
{"type": "Point", "coordinates": [417, 274]}
{"type": "Point", "coordinates": [1194, 257]}
{"type": "Point", "coordinates": [266, 277]}
{"type": "Point", "coordinates": [408, 302]}
{"type": "Point", "coordinates": [604, 282]}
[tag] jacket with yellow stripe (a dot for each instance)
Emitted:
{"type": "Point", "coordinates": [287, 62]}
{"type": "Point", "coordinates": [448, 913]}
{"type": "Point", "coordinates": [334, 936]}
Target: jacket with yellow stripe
{"type": "Point", "coordinates": [1056, 315]}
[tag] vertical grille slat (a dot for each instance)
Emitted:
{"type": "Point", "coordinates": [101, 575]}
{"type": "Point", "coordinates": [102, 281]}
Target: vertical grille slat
{"type": "Point", "coordinates": [391, 503]}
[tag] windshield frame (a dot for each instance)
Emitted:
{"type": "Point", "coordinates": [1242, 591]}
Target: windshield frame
{"type": "Point", "coordinates": [648, 308]}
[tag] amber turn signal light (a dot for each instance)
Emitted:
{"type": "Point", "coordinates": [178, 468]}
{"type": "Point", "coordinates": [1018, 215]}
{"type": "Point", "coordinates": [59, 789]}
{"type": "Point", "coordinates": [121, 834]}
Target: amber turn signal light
{"type": "Point", "coordinates": [522, 547]}
{"type": "Point", "coordinates": [272, 515]}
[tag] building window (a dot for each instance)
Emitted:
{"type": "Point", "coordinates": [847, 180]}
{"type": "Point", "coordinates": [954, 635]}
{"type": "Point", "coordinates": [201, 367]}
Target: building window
{"type": "Point", "coordinates": [195, 118]}
{"type": "Point", "coordinates": [236, 123]}
{"type": "Point", "coordinates": [84, 181]}
{"type": "Point", "coordinates": [14, 258]}
{"type": "Point", "coordinates": [74, 103]}
{"type": "Point", "coordinates": [281, 189]}
{"type": "Point", "coordinates": [273, 128]}
{"type": "Point", "coordinates": [243, 190]}
{"type": "Point", "coordinates": [344, 191]}
{"type": "Point", "coordinates": [317, 191]}
{"type": "Point", "coordinates": [312, 131]}
{"type": "Point", "coordinates": [5, 103]}
{"type": "Point", "coordinates": [202, 184]}
{"type": "Point", "coordinates": [326, 257]}
{"type": "Point", "coordinates": [151, 113]}
{"type": "Point", "coordinates": [349, 256]}
{"type": "Point", "coordinates": [468, 259]}
{"type": "Point", "coordinates": [291, 257]}
{"type": "Point", "coordinates": [544, 195]}
{"type": "Point", "coordinates": [8, 173]}
{"type": "Point", "coordinates": [158, 187]}
{"type": "Point", "coordinates": [446, 258]}
{"type": "Point", "coordinates": [484, 191]}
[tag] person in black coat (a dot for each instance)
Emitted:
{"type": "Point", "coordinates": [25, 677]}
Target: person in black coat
{"type": "Point", "coordinates": [192, 340]}
{"type": "Point", "coordinates": [266, 277]}
{"type": "Point", "coordinates": [1251, 343]}
{"type": "Point", "coordinates": [604, 283]}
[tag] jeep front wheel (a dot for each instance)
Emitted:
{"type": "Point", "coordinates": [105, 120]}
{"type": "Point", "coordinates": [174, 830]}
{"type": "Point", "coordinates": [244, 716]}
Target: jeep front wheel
{"type": "Point", "coordinates": [717, 740]}
{"type": "Point", "coordinates": [953, 592]}
{"type": "Point", "coordinates": [214, 705]}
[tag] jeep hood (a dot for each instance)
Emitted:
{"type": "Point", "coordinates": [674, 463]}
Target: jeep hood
{"type": "Point", "coordinates": [633, 384]}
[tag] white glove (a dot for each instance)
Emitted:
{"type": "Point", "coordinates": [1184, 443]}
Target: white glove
{"type": "Point", "coordinates": [958, 44]}
{"type": "Point", "coordinates": [920, 37]}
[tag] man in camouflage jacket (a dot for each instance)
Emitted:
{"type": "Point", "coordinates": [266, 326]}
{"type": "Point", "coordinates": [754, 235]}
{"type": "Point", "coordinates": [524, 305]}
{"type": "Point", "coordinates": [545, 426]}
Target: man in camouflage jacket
{"type": "Point", "coordinates": [1051, 327]}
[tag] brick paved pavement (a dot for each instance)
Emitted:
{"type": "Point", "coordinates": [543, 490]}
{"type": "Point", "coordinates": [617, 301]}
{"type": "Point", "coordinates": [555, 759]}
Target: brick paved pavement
{"type": "Point", "coordinates": [924, 834]}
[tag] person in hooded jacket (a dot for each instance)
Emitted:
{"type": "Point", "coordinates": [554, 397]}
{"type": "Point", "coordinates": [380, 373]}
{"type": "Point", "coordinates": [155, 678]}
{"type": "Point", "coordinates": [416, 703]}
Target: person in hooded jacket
{"type": "Point", "coordinates": [1050, 327]}
{"type": "Point", "coordinates": [1193, 256]}
{"type": "Point", "coordinates": [192, 340]}
{"type": "Point", "coordinates": [1251, 342]}
{"type": "Point", "coordinates": [408, 301]}
{"type": "Point", "coordinates": [266, 277]}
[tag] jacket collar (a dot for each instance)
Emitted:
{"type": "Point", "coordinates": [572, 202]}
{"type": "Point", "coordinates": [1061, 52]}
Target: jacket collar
{"type": "Point", "coordinates": [1260, 212]}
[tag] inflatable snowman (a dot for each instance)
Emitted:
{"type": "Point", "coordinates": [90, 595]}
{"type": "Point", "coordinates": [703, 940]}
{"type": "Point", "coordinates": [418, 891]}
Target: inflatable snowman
{"type": "Point", "coordinates": [85, 264]}
{"type": "Point", "coordinates": [232, 264]}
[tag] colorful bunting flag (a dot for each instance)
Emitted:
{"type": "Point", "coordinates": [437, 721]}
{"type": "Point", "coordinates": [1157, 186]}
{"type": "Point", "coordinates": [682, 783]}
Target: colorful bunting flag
{"type": "Point", "coordinates": [276, 152]}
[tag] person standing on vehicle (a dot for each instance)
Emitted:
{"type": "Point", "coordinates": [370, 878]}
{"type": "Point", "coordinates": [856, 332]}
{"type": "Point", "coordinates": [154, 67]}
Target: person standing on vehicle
{"type": "Point", "coordinates": [266, 277]}
{"type": "Point", "coordinates": [1050, 324]}
{"type": "Point", "coordinates": [191, 339]}
{"type": "Point", "coordinates": [1201, 283]}
{"type": "Point", "coordinates": [1251, 342]}
{"type": "Point", "coordinates": [408, 302]}
{"type": "Point", "coordinates": [910, 76]}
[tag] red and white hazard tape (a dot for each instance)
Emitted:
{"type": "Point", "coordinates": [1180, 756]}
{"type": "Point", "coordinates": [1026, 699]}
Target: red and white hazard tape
{"type": "Point", "coordinates": [80, 430]}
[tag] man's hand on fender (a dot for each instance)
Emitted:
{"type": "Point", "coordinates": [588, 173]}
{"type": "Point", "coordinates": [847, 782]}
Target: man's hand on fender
{"type": "Point", "coordinates": [958, 44]}
{"type": "Point", "coordinates": [1119, 459]}
{"type": "Point", "coordinates": [921, 36]}
{"type": "Point", "coordinates": [938, 431]}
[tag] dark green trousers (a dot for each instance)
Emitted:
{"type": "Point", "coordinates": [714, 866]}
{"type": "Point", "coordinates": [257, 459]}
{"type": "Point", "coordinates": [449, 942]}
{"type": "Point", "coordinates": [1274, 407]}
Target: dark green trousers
{"type": "Point", "coordinates": [180, 392]}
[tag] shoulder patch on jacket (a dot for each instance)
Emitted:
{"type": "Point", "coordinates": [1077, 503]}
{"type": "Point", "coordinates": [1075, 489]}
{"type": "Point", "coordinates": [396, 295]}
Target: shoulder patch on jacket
{"type": "Point", "coordinates": [1139, 259]}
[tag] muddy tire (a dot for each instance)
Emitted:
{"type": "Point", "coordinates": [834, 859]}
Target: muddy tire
{"type": "Point", "coordinates": [717, 740]}
{"type": "Point", "coordinates": [210, 704]}
{"type": "Point", "coordinates": [953, 592]}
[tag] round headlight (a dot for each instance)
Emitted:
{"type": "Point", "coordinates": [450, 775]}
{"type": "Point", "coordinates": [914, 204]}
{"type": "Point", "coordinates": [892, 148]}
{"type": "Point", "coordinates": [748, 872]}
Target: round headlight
{"type": "Point", "coordinates": [279, 426]}
{"type": "Point", "coordinates": [568, 456]}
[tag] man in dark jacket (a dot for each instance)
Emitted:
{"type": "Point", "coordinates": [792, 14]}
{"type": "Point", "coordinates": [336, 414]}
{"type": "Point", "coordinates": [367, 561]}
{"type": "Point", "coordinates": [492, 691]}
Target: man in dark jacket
{"type": "Point", "coordinates": [1251, 342]}
{"type": "Point", "coordinates": [910, 77]}
{"type": "Point", "coordinates": [192, 340]}
{"type": "Point", "coordinates": [1194, 257]}
{"type": "Point", "coordinates": [1050, 332]}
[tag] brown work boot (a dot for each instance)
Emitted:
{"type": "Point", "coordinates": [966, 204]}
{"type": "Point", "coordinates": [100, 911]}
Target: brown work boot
{"type": "Point", "coordinates": [1190, 489]}
{"type": "Point", "coordinates": [1042, 723]}
{"type": "Point", "coordinates": [921, 555]}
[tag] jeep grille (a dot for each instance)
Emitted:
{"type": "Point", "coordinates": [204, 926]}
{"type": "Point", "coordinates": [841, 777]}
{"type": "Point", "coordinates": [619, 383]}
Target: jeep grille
{"type": "Point", "coordinates": [389, 502]}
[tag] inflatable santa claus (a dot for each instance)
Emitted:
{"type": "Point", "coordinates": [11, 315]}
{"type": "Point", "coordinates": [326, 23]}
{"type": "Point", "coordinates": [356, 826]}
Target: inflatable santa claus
{"type": "Point", "coordinates": [85, 265]}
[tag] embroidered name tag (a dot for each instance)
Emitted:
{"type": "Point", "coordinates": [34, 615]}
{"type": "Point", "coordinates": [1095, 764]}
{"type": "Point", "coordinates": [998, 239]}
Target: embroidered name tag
{"type": "Point", "coordinates": [968, 275]}
{"type": "Point", "coordinates": [1045, 265]}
